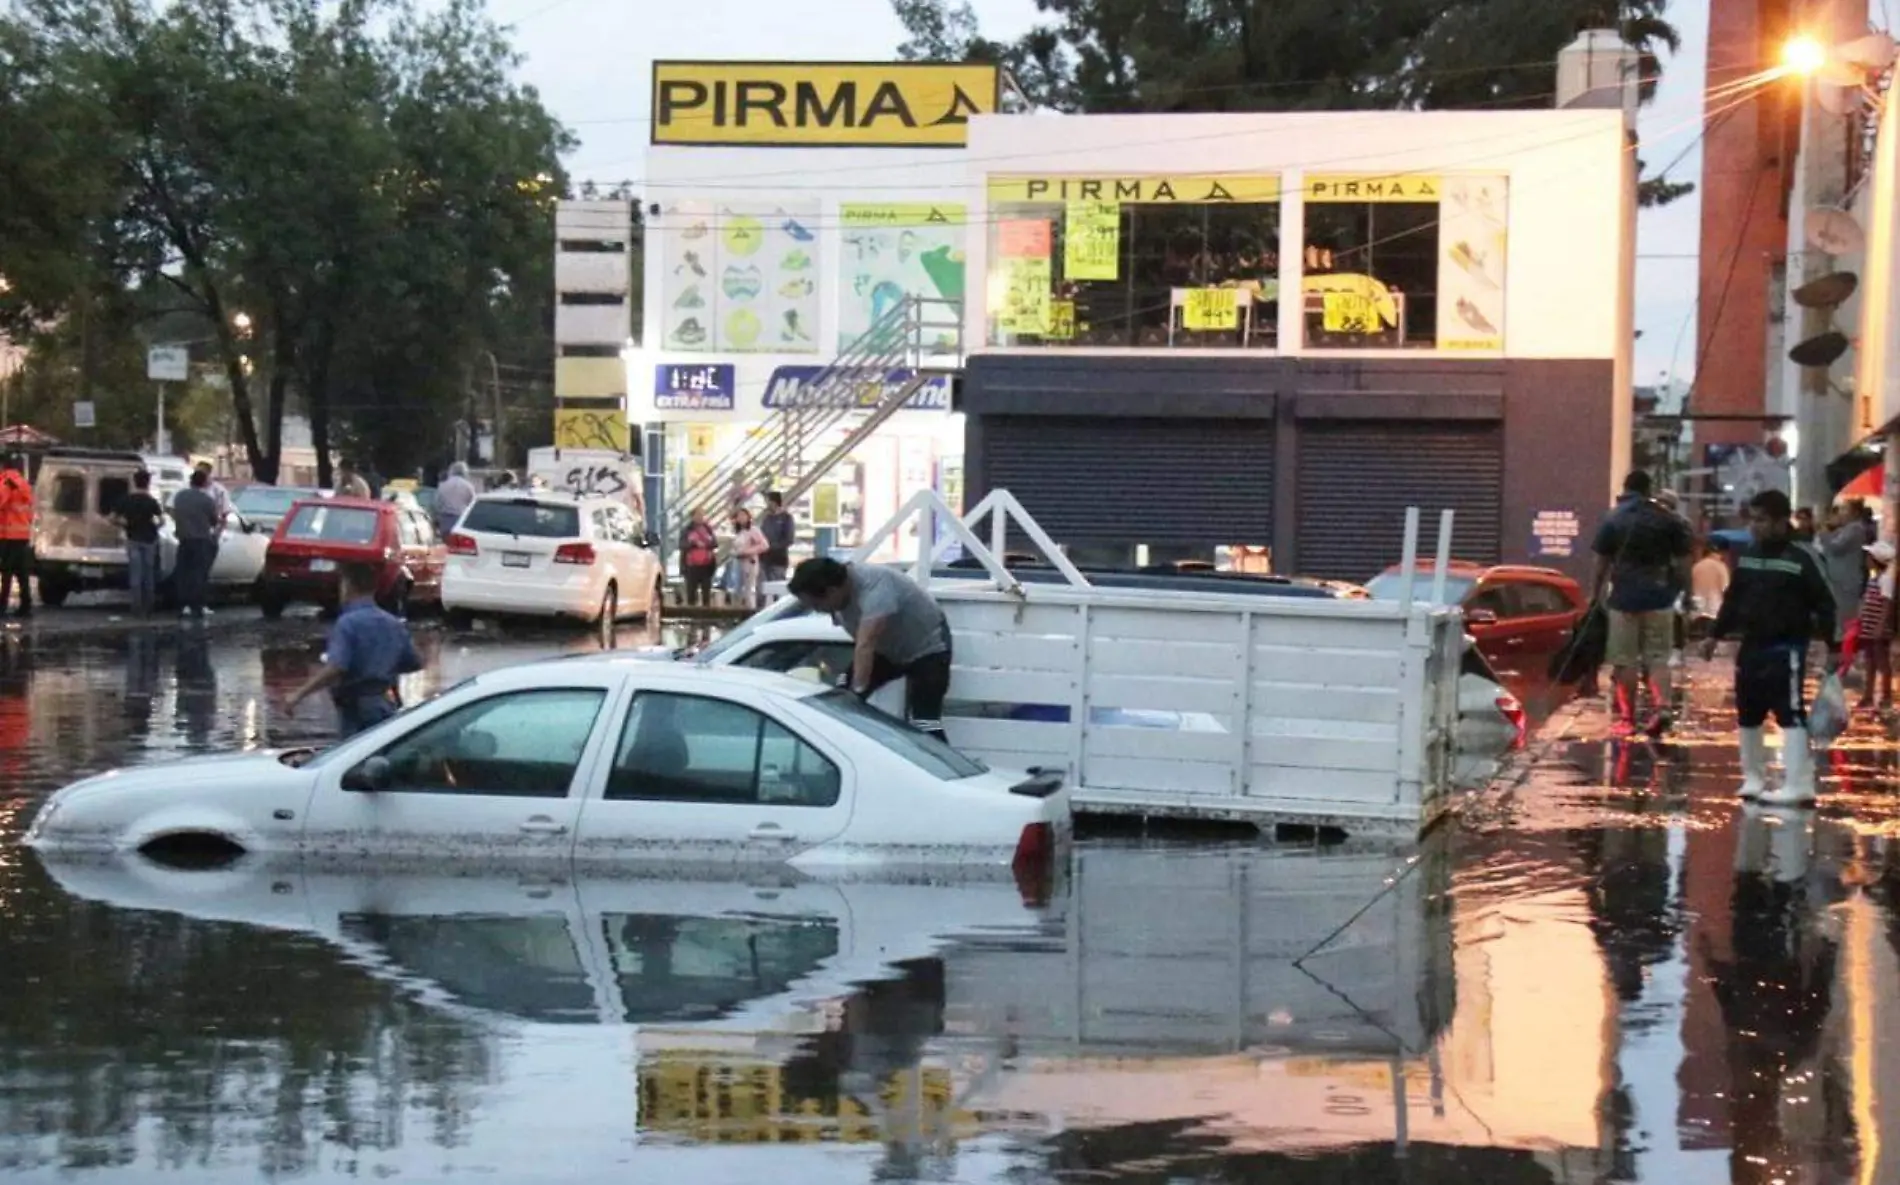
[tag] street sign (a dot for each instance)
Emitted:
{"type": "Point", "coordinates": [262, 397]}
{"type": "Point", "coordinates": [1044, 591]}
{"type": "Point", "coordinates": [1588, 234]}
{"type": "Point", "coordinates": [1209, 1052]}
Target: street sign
{"type": "Point", "coordinates": [83, 416]}
{"type": "Point", "coordinates": [168, 364]}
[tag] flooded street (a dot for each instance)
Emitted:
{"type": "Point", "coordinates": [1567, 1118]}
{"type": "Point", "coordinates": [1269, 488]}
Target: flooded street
{"type": "Point", "coordinates": [1612, 973]}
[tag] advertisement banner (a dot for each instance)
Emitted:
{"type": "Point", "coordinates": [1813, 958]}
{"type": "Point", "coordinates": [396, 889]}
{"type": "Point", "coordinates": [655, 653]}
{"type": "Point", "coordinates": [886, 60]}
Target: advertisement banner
{"type": "Point", "coordinates": [1092, 241]}
{"type": "Point", "coordinates": [1472, 241]}
{"type": "Point", "coordinates": [1554, 534]}
{"type": "Point", "coordinates": [1211, 309]}
{"type": "Point", "coordinates": [1026, 296]}
{"type": "Point", "coordinates": [1124, 191]}
{"type": "Point", "coordinates": [741, 279]}
{"type": "Point", "coordinates": [603, 428]}
{"type": "Point", "coordinates": [806, 104]}
{"type": "Point", "coordinates": [788, 381]}
{"type": "Point", "coordinates": [694, 387]}
{"type": "Point", "coordinates": [892, 251]}
{"type": "Point", "coordinates": [1373, 187]}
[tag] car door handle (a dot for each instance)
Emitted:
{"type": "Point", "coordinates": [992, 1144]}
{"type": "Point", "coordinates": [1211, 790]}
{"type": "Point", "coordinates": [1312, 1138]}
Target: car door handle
{"type": "Point", "coordinates": [772, 832]}
{"type": "Point", "coordinates": [542, 825]}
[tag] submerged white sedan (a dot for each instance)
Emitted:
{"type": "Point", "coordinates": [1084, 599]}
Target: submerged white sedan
{"type": "Point", "coordinates": [601, 758]}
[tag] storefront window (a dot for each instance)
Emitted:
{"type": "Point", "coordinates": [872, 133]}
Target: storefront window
{"type": "Point", "coordinates": [1404, 262]}
{"type": "Point", "coordinates": [1148, 262]}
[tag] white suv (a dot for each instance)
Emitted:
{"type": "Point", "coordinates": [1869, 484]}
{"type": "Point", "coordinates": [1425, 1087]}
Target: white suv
{"type": "Point", "coordinates": [540, 554]}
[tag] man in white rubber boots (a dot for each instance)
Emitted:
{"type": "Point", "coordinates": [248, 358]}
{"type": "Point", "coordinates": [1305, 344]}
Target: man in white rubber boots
{"type": "Point", "coordinates": [1778, 604]}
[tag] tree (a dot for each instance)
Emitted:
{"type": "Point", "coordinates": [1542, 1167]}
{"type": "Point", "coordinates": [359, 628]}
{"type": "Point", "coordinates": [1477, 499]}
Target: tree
{"type": "Point", "coordinates": [344, 194]}
{"type": "Point", "coordinates": [1277, 55]}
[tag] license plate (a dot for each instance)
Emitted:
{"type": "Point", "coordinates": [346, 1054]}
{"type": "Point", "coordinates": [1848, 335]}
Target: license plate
{"type": "Point", "coordinates": [515, 559]}
{"type": "Point", "coordinates": [323, 565]}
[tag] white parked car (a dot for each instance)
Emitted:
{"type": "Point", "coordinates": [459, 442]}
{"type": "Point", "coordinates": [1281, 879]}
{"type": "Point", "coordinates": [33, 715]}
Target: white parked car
{"type": "Point", "coordinates": [602, 758]}
{"type": "Point", "coordinates": [541, 554]}
{"type": "Point", "coordinates": [240, 559]}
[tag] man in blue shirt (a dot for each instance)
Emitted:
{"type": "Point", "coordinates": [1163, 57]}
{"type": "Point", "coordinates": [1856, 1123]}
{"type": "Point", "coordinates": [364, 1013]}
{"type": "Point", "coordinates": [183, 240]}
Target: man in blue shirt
{"type": "Point", "coordinates": [368, 651]}
{"type": "Point", "coordinates": [1643, 561]}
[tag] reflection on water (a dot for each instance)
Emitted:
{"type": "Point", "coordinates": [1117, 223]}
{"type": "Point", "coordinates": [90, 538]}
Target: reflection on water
{"type": "Point", "coordinates": [1625, 977]}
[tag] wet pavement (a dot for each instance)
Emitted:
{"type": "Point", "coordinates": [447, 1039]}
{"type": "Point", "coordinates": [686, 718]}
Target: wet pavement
{"type": "Point", "coordinates": [1606, 971]}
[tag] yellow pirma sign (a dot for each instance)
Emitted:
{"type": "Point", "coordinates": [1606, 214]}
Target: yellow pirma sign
{"type": "Point", "coordinates": [1134, 190]}
{"type": "Point", "coordinates": [813, 104]}
{"type": "Point", "coordinates": [1373, 187]}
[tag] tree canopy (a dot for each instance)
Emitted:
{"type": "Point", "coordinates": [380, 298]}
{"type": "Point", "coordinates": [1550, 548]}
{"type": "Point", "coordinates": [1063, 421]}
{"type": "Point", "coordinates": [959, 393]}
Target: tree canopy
{"type": "Point", "coordinates": [1120, 56]}
{"type": "Point", "coordinates": [351, 200]}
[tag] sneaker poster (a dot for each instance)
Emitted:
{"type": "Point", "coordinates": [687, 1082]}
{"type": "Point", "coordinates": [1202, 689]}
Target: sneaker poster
{"type": "Point", "coordinates": [1471, 254]}
{"type": "Point", "coordinates": [741, 278]}
{"type": "Point", "coordinates": [891, 251]}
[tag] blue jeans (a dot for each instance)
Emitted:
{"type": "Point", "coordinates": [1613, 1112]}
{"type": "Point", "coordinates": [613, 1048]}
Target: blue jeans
{"type": "Point", "coordinates": [192, 576]}
{"type": "Point", "coordinates": [141, 576]}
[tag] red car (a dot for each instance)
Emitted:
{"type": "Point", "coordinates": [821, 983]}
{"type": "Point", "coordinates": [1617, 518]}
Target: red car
{"type": "Point", "coordinates": [316, 535]}
{"type": "Point", "coordinates": [1520, 616]}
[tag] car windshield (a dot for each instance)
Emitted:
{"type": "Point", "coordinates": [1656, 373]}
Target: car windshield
{"type": "Point", "coordinates": [523, 518]}
{"type": "Point", "coordinates": [925, 752]}
{"type": "Point", "coordinates": [333, 524]}
{"type": "Point", "coordinates": [1387, 587]}
{"type": "Point", "coordinates": [786, 609]}
{"type": "Point", "coordinates": [266, 500]}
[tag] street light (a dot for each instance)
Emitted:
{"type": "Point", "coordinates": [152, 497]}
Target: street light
{"type": "Point", "coordinates": [1803, 55]}
{"type": "Point", "coordinates": [242, 323]}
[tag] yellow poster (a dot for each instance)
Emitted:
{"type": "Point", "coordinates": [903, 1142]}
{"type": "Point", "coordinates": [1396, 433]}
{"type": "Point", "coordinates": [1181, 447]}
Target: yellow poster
{"type": "Point", "coordinates": [591, 429]}
{"type": "Point", "coordinates": [699, 440]}
{"type": "Point", "coordinates": [1123, 191]}
{"type": "Point", "coordinates": [1092, 241]}
{"type": "Point", "coordinates": [1472, 244]}
{"type": "Point", "coordinates": [802, 104]}
{"type": "Point", "coordinates": [697, 471]}
{"type": "Point", "coordinates": [1061, 321]}
{"type": "Point", "coordinates": [1211, 309]}
{"type": "Point", "coordinates": [1350, 312]}
{"type": "Point", "coordinates": [824, 504]}
{"type": "Point", "coordinates": [1374, 187]}
{"type": "Point", "coordinates": [1026, 295]}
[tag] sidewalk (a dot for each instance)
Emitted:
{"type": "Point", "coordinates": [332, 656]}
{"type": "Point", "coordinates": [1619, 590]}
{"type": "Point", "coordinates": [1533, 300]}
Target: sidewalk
{"type": "Point", "coordinates": [103, 614]}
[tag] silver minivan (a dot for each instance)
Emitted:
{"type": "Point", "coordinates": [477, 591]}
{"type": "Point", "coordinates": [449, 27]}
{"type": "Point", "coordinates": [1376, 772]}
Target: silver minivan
{"type": "Point", "coordinates": [76, 547]}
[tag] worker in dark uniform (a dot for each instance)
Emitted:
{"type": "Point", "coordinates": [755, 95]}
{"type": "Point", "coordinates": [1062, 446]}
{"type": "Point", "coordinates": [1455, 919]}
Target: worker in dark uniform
{"type": "Point", "coordinates": [369, 650]}
{"type": "Point", "coordinates": [1779, 603]}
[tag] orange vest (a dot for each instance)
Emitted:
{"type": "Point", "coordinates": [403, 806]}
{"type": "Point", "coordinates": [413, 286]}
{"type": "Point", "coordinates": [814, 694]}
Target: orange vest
{"type": "Point", "coordinates": [16, 506]}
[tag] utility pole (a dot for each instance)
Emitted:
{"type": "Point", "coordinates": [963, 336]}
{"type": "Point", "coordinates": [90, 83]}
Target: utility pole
{"type": "Point", "coordinates": [494, 375]}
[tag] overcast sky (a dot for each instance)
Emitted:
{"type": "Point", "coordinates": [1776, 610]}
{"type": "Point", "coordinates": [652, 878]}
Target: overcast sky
{"type": "Point", "coordinates": [591, 61]}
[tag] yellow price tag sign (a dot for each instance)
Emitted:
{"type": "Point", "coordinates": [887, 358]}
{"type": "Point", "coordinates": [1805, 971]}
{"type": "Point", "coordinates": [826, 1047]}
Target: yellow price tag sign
{"type": "Point", "coordinates": [1212, 309]}
{"type": "Point", "coordinates": [1350, 312]}
{"type": "Point", "coordinates": [1026, 296]}
{"type": "Point", "coordinates": [1061, 321]}
{"type": "Point", "coordinates": [1092, 241]}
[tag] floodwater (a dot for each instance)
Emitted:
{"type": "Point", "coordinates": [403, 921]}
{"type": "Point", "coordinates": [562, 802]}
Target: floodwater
{"type": "Point", "coordinates": [1613, 974]}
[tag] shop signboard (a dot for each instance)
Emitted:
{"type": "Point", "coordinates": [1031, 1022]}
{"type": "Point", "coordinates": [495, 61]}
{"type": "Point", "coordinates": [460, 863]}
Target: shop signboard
{"type": "Point", "coordinates": [1554, 534]}
{"type": "Point", "coordinates": [897, 250]}
{"type": "Point", "coordinates": [812, 104]}
{"type": "Point", "coordinates": [740, 278]}
{"type": "Point", "coordinates": [788, 381]}
{"type": "Point", "coordinates": [1211, 309]}
{"type": "Point", "coordinates": [694, 387]}
{"type": "Point", "coordinates": [585, 428]}
{"type": "Point", "coordinates": [1374, 187]}
{"type": "Point", "coordinates": [1142, 190]}
{"type": "Point", "coordinates": [1092, 241]}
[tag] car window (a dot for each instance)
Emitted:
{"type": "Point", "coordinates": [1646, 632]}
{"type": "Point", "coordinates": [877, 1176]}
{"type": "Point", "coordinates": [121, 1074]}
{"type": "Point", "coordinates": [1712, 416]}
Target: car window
{"type": "Point", "coordinates": [829, 659]}
{"type": "Point", "coordinates": [524, 518]}
{"type": "Point", "coordinates": [265, 500]}
{"type": "Point", "coordinates": [622, 520]}
{"type": "Point", "coordinates": [424, 528]}
{"type": "Point", "coordinates": [333, 524]}
{"type": "Point", "coordinates": [406, 527]}
{"type": "Point", "coordinates": [603, 526]}
{"type": "Point", "coordinates": [686, 748]}
{"type": "Point", "coordinates": [1386, 587]}
{"type": "Point", "coordinates": [925, 752]}
{"type": "Point", "coordinates": [523, 744]}
{"type": "Point", "coordinates": [1496, 599]}
{"type": "Point", "coordinates": [69, 494]}
{"type": "Point", "coordinates": [112, 491]}
{"type": "Point", "coordinates": [1542, 600]}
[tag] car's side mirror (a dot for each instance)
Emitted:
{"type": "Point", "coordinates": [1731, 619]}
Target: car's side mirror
{"type": "Point", "coordinates": [1481, 616]}
{"type": "Point", "coordinates": [370, 777]}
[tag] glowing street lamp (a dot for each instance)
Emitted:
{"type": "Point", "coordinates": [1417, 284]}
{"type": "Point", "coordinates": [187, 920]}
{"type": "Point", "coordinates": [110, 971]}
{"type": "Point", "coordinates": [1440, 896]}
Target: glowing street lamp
{"type": "Point", "coordinates": [1803, 55]}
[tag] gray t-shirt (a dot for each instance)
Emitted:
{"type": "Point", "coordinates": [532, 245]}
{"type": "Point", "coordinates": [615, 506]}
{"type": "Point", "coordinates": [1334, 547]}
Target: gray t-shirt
{"type": "Point", "coordinates": [916, 626]}
{"type": "Point", "coordinates": [195, 514]}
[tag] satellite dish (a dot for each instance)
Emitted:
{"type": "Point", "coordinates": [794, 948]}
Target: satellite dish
{"type": "Point", "coordinates": [1819, 351]}
{"type": "Point", "coordinates": [1835, 72]}
{"type": "Point", "coordinates": [1836, 100]}
{"type": "Point", "coordinates": [1830, 291]}
{"type": "Point", "coordinates": [1834, 231]}
{"type": "Point", "coordinates": [1875, 51]}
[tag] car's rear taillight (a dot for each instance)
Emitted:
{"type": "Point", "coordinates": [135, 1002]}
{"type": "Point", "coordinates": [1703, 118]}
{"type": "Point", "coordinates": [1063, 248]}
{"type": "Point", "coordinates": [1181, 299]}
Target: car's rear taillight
{"type": "Point", "coordinates": [1513, 710]}
{"type": "Point", "coordinates": [574, 553]}
{"type": "Point", "coordinates": [1034, 863]}
{"type": "Point", "coordinates": [460, 544]}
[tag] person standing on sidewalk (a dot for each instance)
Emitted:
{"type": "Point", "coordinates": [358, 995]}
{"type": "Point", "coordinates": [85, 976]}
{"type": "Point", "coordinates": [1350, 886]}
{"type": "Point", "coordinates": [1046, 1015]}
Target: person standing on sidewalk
{"type": "Point", "coordinates": [699, 559]}
{"type": "Point", "coordinates": [1709, 580]}
{"type": "Point", "coordinates": [1843, 547]}
{"type": "Point", "coordinates": [16, 534]}
{"type": "Point", "coordinates": [139, 515]}
{"type": "Point", "coordinates": [1778, 604]}
{"type": "Point", "coordinates": [1643, 565]}
{"type": "Point", "coordinates": [453, 498]}
{"type": "Point", "coordinates": [780, 531]}
{"type": "Point", "coordinates": [195, 518]}
{"type": "Point", "coordinates": [748, 545]}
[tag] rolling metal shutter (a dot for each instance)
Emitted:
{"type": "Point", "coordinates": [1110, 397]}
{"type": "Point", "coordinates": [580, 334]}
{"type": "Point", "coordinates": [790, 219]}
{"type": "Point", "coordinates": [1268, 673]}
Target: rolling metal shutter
{"type": "Point", "coordinates": [1356, 479]}
{"type": "Point", "coordinates": [1116, 480]}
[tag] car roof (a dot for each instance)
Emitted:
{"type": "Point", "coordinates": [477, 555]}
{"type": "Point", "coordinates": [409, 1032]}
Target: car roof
{"type": "Point", "coordinates": [728, 677]}
{"type": "Point", "coordinates": [546, 497]}
{"type": "Point", "coordinates": [344, 503]}
{"type": "Point", "coordinates": [1472, 568]}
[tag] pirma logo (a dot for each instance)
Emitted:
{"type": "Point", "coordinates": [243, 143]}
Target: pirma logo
{"type": "Point", "coordinates": [765, 104]}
